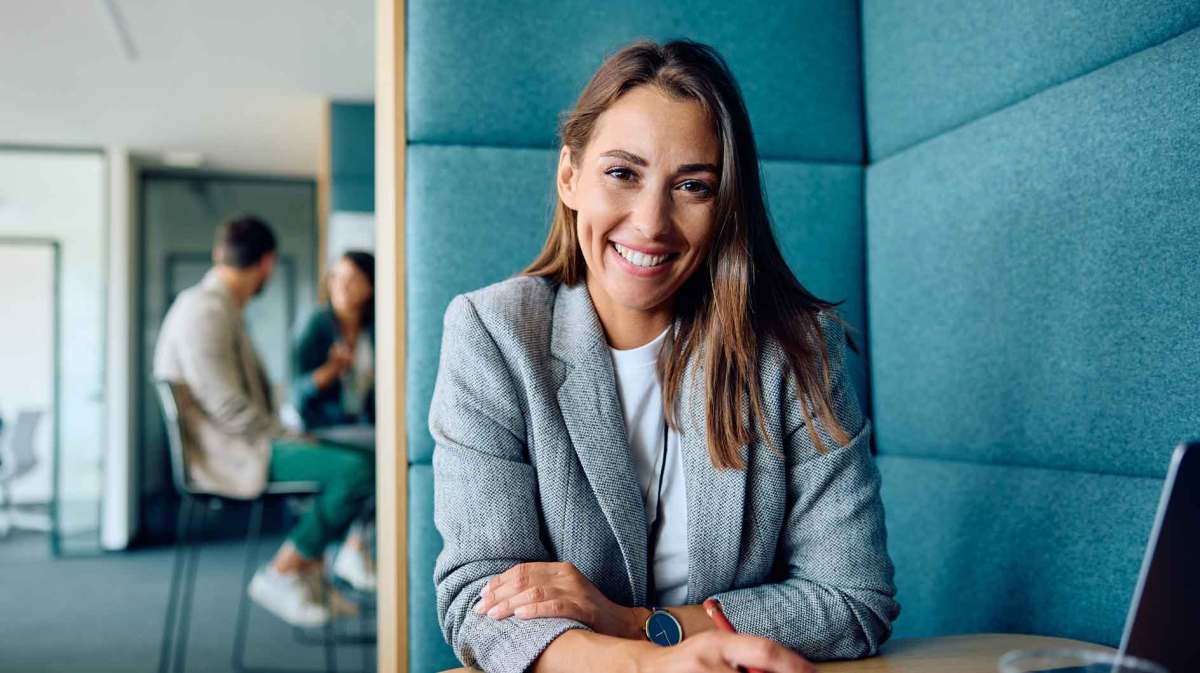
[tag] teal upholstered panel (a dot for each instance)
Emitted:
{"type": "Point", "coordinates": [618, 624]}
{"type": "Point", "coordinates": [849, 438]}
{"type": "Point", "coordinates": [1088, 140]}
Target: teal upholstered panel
{"type": "Point", "coordinates": [475, 216]}
{"type": "Point", "coordinates": [489, 73]}
{"type": "Point", "coordinates": [1032, 280]}
{"type": "Point", "coordinates": [427, 648]}
{"type": "Point", "coordinates": [930, 66]}
{"type": "Point", "coordinates": [818, 222]}
{"type": "Point", "coordinates": [352, 156]}
{"type": "Point", "coordinates": [984, 548]}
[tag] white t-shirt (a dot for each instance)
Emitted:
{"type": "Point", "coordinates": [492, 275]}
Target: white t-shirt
{"type": "Point", "coordinates": [358, 379]}
{"type": "Point", "coordinates": [641, 400]}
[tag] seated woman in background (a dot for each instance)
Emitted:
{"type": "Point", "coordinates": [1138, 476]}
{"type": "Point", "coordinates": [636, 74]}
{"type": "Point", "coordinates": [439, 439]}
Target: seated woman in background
{"type": "Point", "coordinates": [334, 355]}
{"type": "Point", "coordinates": [333, 360]}
{"type": "Point", "coordinates": [654, 413]}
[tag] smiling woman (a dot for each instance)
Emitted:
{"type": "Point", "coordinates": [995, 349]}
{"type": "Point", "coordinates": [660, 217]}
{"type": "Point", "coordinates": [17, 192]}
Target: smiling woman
{"type": "Point", "coordinates": [654, 413]}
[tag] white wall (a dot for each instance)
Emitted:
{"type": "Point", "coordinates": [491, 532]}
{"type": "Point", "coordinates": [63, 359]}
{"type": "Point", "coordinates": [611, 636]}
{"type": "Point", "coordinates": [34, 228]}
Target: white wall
{"type": "Point", "coordinates": [63, 196]}
{"type": "Point", "coordinates": [27, 352]}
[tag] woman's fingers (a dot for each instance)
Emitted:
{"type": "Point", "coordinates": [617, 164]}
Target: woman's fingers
{"type": "Point", "coordinates": [508, 606]}
{"type": "Point", "coordinates": [763, 654]}
{"type": "Point", "coordinates": [513, 581]}
{"type": "Point", "coordinates": [555, 607]}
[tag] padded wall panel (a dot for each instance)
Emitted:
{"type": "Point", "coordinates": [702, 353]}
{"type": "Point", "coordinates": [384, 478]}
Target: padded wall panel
{"type": "Point", "coordinates": [427, 647]}
{"type": "Point", "coordinates": [984, 548]}
{"type": "Point", "coordinates": [489, 73]}
{"type": "Point", "coordinates": [931, 66]}
{"type": "Point", "coordinates": [1032, 280]}
{"type": "Point", "coordinates": [818, 222]}
{"type": "Point", "coordinates": [475, 216]}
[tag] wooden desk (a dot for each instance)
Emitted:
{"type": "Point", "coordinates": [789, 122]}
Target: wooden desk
{"type": "Point", "coordinates": [948, 654]}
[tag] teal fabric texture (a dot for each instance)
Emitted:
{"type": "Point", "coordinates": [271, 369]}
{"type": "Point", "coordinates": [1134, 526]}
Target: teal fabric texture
{"type": "Point", "coordinates": [427, 648]}
{"type": "Point", "coordinates": [992, 549]}
{"type": "Point", "coordinates": [488, 73]}
{"type": "Point", "coordinates": [1033, 303]}
{"type": "Point", "coordinates": [1051, 241]}
{"type": "Point", "coordinates": [931, 66]}
{"type": "Point", "coordinates": [488, 210]}
{"type": "Point", "coordinates": [1003, 194]}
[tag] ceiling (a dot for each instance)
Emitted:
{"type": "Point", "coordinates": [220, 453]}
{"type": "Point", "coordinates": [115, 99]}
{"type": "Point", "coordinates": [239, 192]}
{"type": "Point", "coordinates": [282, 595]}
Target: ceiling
{"type": "Point", "coordinates": [239, 82]}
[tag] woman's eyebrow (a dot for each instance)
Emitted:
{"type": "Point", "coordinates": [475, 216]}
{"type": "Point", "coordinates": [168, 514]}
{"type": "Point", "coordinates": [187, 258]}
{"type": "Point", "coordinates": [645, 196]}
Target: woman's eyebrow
{"type": "Point", "coordinates": [639, 161]}
{"type": "Point", "coordinates": [626, 156]}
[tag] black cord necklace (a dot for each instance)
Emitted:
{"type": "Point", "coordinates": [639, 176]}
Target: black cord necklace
{"type": "Point", "coordinates": [662, 468]}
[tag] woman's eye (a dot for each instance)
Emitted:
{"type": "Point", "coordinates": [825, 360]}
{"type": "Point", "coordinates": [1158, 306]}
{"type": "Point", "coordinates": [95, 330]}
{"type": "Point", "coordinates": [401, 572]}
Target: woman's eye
{"type": "Point", "coordinates": [620, 173]}
{"type": "Point", "coordinates": [696, 187]}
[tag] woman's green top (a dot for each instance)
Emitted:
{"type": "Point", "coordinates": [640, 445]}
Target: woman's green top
{"type": "Point", "coordinates": [337, 404]}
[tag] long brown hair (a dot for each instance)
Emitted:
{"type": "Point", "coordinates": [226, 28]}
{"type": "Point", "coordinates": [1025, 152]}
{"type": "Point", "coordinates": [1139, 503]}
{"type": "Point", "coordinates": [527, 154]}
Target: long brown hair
{"type": "Point", "coordinates": [746, 292]}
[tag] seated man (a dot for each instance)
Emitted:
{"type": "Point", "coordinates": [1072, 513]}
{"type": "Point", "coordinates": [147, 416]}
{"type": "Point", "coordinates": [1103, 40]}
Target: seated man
{"type": "Point", "coordinates": [233, 440]}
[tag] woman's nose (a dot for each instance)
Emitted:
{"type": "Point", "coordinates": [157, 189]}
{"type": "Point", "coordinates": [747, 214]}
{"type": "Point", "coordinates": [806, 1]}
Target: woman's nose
{"type": "Point", "coordinates": [652, 213]}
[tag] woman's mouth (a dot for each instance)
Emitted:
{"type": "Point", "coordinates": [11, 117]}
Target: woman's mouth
{"type": "Point", "coordinates": [641, 264]}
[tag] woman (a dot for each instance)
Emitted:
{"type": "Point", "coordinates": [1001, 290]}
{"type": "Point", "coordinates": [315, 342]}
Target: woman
{"type": "Point", "coordinates": [655, 412]}
{"type": "Point", "coordinates": [334, 382]}
{"type": "Point", "coordinates": [334, 356]}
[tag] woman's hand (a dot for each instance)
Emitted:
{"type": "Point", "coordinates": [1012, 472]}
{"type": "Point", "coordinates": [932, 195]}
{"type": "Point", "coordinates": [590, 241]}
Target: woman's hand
{"type": "Point", "coordinates": [339, 360]}
{"type": "Point", "coordinates": [720, 652]}
{"type": "Point", "coordinates": [533, 590]}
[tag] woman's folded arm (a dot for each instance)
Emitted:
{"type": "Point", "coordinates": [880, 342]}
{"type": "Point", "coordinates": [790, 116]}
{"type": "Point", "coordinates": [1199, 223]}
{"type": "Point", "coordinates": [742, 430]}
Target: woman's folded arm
{"type": "Point", "coordinates": [485, 503]}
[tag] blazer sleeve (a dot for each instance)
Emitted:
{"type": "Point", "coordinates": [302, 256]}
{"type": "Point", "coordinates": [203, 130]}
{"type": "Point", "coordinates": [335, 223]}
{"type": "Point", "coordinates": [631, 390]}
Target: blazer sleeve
{"type": "Point", "coordinates": [837, 600]}
{"type": "Point", "coordinates": [485, 504]}
{"type": "Point", "coordinates": [211, 368]}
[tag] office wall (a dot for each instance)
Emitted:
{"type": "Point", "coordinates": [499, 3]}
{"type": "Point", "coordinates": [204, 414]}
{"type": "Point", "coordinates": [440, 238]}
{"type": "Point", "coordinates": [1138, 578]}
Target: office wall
{"type": "Point", "coordinates": [61, 195]}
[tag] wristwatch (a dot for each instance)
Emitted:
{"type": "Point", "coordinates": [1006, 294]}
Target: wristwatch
{"type": "Point", "coordinates": [662, 628]}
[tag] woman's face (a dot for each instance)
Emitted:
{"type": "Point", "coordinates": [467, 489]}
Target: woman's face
{"type": "Point", "coordinates": [349, 288]}
{"type": "Point", "coordinates": [644, 192]}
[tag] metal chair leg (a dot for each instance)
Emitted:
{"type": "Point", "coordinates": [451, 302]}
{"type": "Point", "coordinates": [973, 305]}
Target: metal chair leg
{"type": "Point", "coordinates": [330, 636]}
{"type": "Point", "coordinates": [169, 627]}
{"type": "Point", "coordinates": [253, 536]}
{"type": "Point", "coordinates": [189, 588]}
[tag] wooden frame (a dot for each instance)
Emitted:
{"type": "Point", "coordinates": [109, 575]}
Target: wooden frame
{"type": "Point", "coordinates": [391, 456]}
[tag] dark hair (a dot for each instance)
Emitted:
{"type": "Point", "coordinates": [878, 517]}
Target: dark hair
{"type": "Point", "coordinates": [242, 241]}
{"type": "Point", "coordinates": [365, 263]}
{"type": "Point", "coordinates": [745, 294]}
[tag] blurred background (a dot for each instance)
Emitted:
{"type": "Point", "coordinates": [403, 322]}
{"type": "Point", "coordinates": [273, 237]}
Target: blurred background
{"type": "Point", "coordinates": [129, 131]}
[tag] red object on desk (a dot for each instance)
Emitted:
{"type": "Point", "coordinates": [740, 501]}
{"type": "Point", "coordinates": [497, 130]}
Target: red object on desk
{"type": "Point", "coordinates": [713, 608]}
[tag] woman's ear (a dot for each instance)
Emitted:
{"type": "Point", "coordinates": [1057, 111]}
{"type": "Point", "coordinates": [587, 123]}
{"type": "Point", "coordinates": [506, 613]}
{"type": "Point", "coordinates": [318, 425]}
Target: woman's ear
{"type": "Point", "coordinates": [566, 178]}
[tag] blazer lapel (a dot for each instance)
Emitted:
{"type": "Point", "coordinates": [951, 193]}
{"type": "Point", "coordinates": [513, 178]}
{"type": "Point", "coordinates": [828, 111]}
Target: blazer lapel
{"type": "Point", "coordinates": [715, 499]}
{"type": "Point", "coordinates": [592, 411]}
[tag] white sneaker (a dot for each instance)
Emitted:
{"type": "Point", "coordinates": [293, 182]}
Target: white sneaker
{"type": "Point", "coordinates": [287, 596]}
{"type": "Point", "coordinates": [353, 566]}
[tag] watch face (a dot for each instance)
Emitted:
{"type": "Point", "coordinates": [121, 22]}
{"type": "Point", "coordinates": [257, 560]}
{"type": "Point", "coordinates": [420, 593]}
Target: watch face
{"type": "Point", "coordinates": [664, 629]}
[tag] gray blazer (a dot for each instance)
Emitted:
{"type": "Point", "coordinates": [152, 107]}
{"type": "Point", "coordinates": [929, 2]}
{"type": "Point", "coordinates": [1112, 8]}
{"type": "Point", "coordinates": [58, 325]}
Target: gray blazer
{"type": "Point", "coordinates": [225, 408]}
{"type": "Point", "coordinates": [532, 463]}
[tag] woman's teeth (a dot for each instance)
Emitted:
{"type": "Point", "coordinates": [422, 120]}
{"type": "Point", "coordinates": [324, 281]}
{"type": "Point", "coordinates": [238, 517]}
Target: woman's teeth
{"type": "Point", "coordinates": [637, 258]}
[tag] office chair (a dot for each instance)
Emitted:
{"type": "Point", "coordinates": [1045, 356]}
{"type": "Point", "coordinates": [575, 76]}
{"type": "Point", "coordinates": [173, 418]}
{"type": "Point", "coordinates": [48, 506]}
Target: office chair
{"type": "Point", "coordinates": [18, 458]}
{"type": "Point", "coordinates": [179, 604]}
